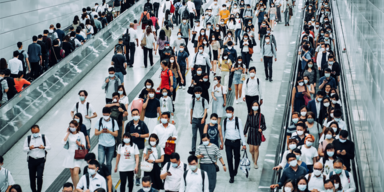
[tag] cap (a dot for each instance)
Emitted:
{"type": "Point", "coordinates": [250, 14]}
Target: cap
{"type": "Point", "coordinates": [167, 42]}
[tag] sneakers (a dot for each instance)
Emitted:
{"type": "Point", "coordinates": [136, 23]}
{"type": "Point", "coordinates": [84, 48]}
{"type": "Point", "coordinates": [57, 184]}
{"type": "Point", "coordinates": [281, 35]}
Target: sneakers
{"type": "Point", "coordinates": [236, 101]}
{"type": "Point", "coordinates": [137, 182]}
{"type": "Point", "coordinates": [231, 180]}
{"type": "Point", "coordinates": [183, 87]}
{"type": "Point", "coordinates": [255, 166]}
{"type": "Point", "coordinates": [270, 79]}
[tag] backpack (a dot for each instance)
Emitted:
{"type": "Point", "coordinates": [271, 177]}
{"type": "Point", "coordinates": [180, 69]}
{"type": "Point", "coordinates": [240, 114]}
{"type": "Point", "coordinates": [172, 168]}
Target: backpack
{"type": "Point", "coordinates": [174, 80]}
{"type": "Point", "coordinates": [203, 103]}
{"type": "Point", "coordinates": [272, 45]}
{"type": "Point", "coordinates": [1, 89]}
{"type": "Point", "coordinates": [202, 177]}
{"type": "Point", "coordinates": [43, 138]}
{"type": "Point", "coordinates": [21, 57]}
{"type": "Point", "coordinates": [169, 165]}
{"type": "Point", "coordinates": [145, 18]}
{"type": "Point", "coordinates": [115, 113]}
{"type": "Point", "coordinates": [310, 174]}
{"type": "Point", "coordinates": [126, 38]}
{"type": "Point", "coordinates": [50, 36]}
{"type": "Point", "coordinates": [113, 124]}
{"type": "Point", "coordinates": [87, 180]}
{"type": "Point", "coordinates": [109, 16]}
{"type": "Point", "coordinates": [185, 13]}
{"type": "Point", "coordinates": [236, 124]}
{"type": "Point", "coordinates": [258, 83]}
{"type": "Point", "coordinates": [73, 43]}
{"type": "Point", "coordinates": [77, 108]}
{"type": "Point", "coordinates": [346, 174]}
{"type": "Point", "coordinates": [177, 7]}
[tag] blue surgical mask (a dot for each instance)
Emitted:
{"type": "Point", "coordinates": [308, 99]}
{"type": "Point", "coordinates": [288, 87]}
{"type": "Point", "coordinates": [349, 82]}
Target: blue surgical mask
{"type": "Point", "coordinates": [165, 93]}
{"type": "Point", "coordinates": [338, 171]}
{"type": "Point", "coordinates": [292, 146]}
{"type": "Point", "coordinates": [330, 153]}
{"type": "Point", "coordinates": [229, 115]}
{"type": "Point", "coordinates": [319, 99]}
{"type": "Point", "coordinates": [35, 135]}
{"type": "Point", "coordinates": [126, 140]}
{"type": "Point", "coordinates": [136, 117]}
{"type": "Point", "coordinates": [120, 92]}
{"type": "Point", "coordinates": [197, 95]}
{"type": "Point", "coordinates": [164, 121]}
{"type": "Point", "coordinates": [295, 120]}
{"type": "Point", "coordinates": [205, 80]}
{"type": "Point", "coordinates": [205, 143]}
{"type": "Point", "coordinates": [337, 119]}
{"type": "Point", "coordinates": [91, 171]}
{"type": "Point", "coordinates": [111, 75]}
{"type": "Point", "coordinates": [255, 108]}
{"type": "Point", "coordinates": [310, 120]}
{"type": "Point", "coordinates": [327, 75]}
{"type": "Point", "coordinates": [302, 187]}
{"type": "Point", "coordinates": [293, 163]}
{"type": "Point", "coordinates": [309, 143]}
{"type": "Point", "coordinates": [298, 157]}
{"type": "Point", "coordinates": [82, 98]}
{"type": "Point", "coordinates": [199, 72]}
{"type": "Point", "coordinates": [174, 165]}
{"type": "Point", "coordinates": [193, 167]}
{"type": "Point", "coordinates": [342, 140]}
{"type": "Point", "coordinates": [328, 136]}
{"type": "Point", "coordinates": [214, 121]}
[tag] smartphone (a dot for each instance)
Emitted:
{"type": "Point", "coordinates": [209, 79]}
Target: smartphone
{"type": "Point", "coordinates": [149, 149]}
{"type": "Point", "coordinates": [169, 173]}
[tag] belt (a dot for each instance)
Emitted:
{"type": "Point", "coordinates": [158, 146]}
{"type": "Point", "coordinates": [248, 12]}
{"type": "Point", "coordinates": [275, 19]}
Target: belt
{"type": "Point", "coordinates": [268, 56]}
{"type": "Point", "coordinates": [232, 140]}
{"type": "Point", "coordinates": [36, 158]}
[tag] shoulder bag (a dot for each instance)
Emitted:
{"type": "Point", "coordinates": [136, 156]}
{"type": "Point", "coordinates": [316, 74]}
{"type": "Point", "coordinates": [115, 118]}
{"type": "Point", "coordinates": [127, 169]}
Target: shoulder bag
{"type": "Point", "coordinates": [143, 41]}
{"type": "Point", "coordinates": [80, 153]}
{"type": "Point", "coordinates": [262, 135]}
{"type": "Point", "coordinates": [217, 167]}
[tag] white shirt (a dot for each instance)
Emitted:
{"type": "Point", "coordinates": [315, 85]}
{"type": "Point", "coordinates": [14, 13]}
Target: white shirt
{"type": "Point", "coordinates": [93, 13]}
{"type": "Point", "coordinates": [154, 156]}
{"type": "Point", "coordinates": [328, 166]}
{"type": "Point", "coordinates": [3, 177]}
{"type": "Point", "coordinates": [77, 42]}
{"type": "Point", "coordinates": [318, 106]}
{"type": "Point", "coordinates": [201, 59]}
{"type": "Point", "coordinates": [166, 104]}
{"type": "Point", "coordinates": [15, 65]}
{"type": "Point", "coordinates": [232, 133]}
{"type": "Point", "coordinates": [150, 39]}
{"type": "Point", "coordinates": [316, 182]}
{"type": "Point", "coordinates": [197, 29]}
{"type": "Point", "coordinates": [36, 142]}
{"type": "Point", "coordinates": [341, 124]}
{"type": "Point", "coordinates": [99, 8]}
{"type": "Point", "coordinates": [133, 35]}
{"type": "Point", "coordinates": [164, 133]}
{"type": "Point", "coordinates": [215, 9]}
{"type": "Point", "coordinates": [252, 88]}
{"type": "Point", "coordinates": [219, 91]}
{"type": "Point", "coordinates": [191, 6]}
{"type": "Point", "coordinates": [106, 139]}
{"type": "Point", "coordinates": [127, 157]}
{"type": "Point", "coordinates": [348, 184]}
{"type": "Point", "coordinates": [172, 182]}
{"type": "Point", "coordinates": [307, 154]}
{"type": "Point", "coordinates": [83, 110]}
{"type": "Point", "coordinates": [90, 28]}
{"type": "Point", "coordinates": [194, 182]}
{"type": "Point", "coordinates": [94, 183]}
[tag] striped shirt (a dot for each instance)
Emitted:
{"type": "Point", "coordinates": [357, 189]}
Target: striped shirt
{"type": "Point", "coordinates": [213, 152]}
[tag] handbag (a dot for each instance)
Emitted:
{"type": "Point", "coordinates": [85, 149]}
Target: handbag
{"type": "Point", "coordinates": [143, 41]}
{"type": "Point", "coordinates": [245, 164]}
{"type": "Point", "coordinates": [146, 166]}
{"type": "Point", "coordinates": [157, 27]}
{"type": "Point", "coordinates": [243, 77]}
{"type": "Point", "coordinates": [217, 167]}
{"type": "Point", "coordinates": [170, 147]}
{"type": "Point", "coordinates": [80, 153]}
{"type": "Point", "coordinates": [190, 89]}
{"type": "Point", "coordinates": [250, 50]}
{"type": "Point", "coordinates": [262, 135]}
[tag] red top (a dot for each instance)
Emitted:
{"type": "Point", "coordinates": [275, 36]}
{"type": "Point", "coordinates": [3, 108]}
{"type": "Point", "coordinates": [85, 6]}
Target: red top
{"type": "Point", "coordinates": [165, 80]}
{"type": "Point", "coordinates": [19, 84]}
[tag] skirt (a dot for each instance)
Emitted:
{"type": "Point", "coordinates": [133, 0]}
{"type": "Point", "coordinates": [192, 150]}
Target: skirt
{"type": "Point", "coordinates": [237, 79]}
{"type": "Point", "coordinates": [70, 161]}
{"type": "Point", "coordinates": [215, 55]}
{"type": "Point", "coordinates": [157, 183]}
{"type": "Point", "coordinates": [254, 137]}
{"type": "Point", "coordinates": [217, 106]}
{"type": "Point", "coordinates": [272, 17]}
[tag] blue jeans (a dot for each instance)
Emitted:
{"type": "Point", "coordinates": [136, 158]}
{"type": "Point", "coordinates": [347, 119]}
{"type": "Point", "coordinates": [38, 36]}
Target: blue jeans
{"type": "Point", "coordinates": [120, 76]}
{"type": "Point", "coordinates": [106, 153]}
{"type": "Point", "coordinates": [196, 125]}
{"type": "Point", "coordinates": [286, 16]}
{"type": "Point", "coordinates": [211, 172]}
{"type": "Point", "coordinates": [89, 135]}
{"type": "Point", "coordinates": [238, 35]}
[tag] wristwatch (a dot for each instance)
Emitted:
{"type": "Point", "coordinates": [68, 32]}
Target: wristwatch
{"type": "Point", "coordinates": [223, 164]}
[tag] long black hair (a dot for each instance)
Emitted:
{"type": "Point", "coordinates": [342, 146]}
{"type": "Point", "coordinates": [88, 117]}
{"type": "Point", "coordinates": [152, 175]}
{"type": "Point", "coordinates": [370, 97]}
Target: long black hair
{"type": "Point", "coordinates": [162, 35]}
{"type": "Point", "coordinates": [259, 110]}
{"type": "Point", "coordinates": [80, 116]}
{"type": "Point", "coordinates": [326, 157]}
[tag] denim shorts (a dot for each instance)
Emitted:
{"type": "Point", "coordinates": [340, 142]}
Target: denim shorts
{"type": "Point", "coordinates": [120, 76]}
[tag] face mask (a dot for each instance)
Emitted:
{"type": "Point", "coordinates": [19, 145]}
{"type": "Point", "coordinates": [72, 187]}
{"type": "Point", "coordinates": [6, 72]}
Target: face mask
{"type": "Point", "coordinates": [197, 95]}
{"type": "Point", "coordinates": [215, 82]}
{"type": "Point", "coordinates": [295, 120]}
{"type": "Point", "coordinates": [136, 117]}
{"type": "Point", "coordinates": [229, 35]}
{"type": "Point", "coordinates": [329, 190]}
{"type": "Point", "coordinates": [334, 129]}
{"type": "Point", "coordinates": [326, 104]}
{"type": "Point", "coordinates": [152, 143]}
{"type": "Point", "coordinates": [193, 167]}
{"type": "Point", "coordinates": [245, 38]}
{"type": "Point", "coordinates": [167, 47]}
{"type": "Point", "coordinates": [330, 62]}
{"type": "Point", "coordinates": [120, 92]}
{"type": "Point", "coordinates": [205, 80]}
{"type": "Point", "coordinates": [302, 187]}
{"type": "Point", "coordinates": [255, 108]}
{"type": "Point", "coordinates": [165, 93]}
{"type": "Point", "coordinates": [293, 163]}
{"type": "Point", "coordinates": [106, 117]}
{"type": "Point", "coordinates": [126, 140]}
{"type": "Point", "coordinates": [111, 75]}
{"type": "Point", "coordinates": [35, 135]}
{"type": "Point", "coordinates": [200, 51]}
{"type": "Point", "coordinates": [328, 136]}
{"type": "Point", "coordinates": [179, 36]}
{"type": "Point", "coordinates": [322, 33]}
{"type": "Point", "coordinates": [337, 119]}
{"type": "Point", "coordinates": [209, 26]}
{"type": "Point", "coordinates": [330, 153]}
{"type": "Point", "coordinates": [301, 83]}
{"type": "Point", "coordinates": [336, 185]}
{"type": "Point", "coordinates": [148, 86]}
{"type": "Point", "coordinates": [332, 94]}
{"type": "Point", "coordinates": [205, 143]}
{"type": "Point", "coordinates": [174, 165]}
{"type": "Point", "coordinates": [78, 120]}
{"type": "Point", "coordinates": [305, 81]}
{"type": "Point", "coordinates": [91, 171]}
{"type": "Point", "coordinates": [303, 113]}
{"type": "Point", "coordinates": [262, 9]}
{"type": "Point", "coordinates": [272, 5]}
{"type": "Point", "coordinates": [292, 146]}
{"type": "Point", "coordinates": [265, 18]}
{"type": "Point", "coordinates": [171, 61]}
{"type": "Point", "coordinates": [267, 40]}
{"type": "Point", "coordinates": [298, 157]}
{"type": "Point", "coordinates": [319, 99]}
{"type": "Point", "coordinates": [114, 100]}
{"type": "Point", "coordinates": [184, 21]}
{"type": "Point", "coordinates": [248, 30]}
{"type": "Point", "coordinates": [326, 38]}
{"type": "Point", "coordinates": [213, 38]}
{"type": "Point", "coordinates": [327, 75]}
{"type": "Point", "coordinates": [229, 115]}
{"type": "Point", "coordinates": [225, 57]}
{"type": "Point", "coordinates": [300, 132]}
{"type": "Point", "coordinates": [263, 24]}
{"type": "Point", "coordinates": [317, 26]}
{"type": "Point", "coordinates": [82, 98]}
{"type": "Point", "coordinates": [252, 74]}
{"type": "Point", "coordinates": [287, 189]}
{"type": "Point", "coordinates": [309, 143]}
{"type": "Point", "coordinates": [327, 49]}
{"type": "Point", "coordinates": [310, 65]}
{"type": "Point", "coordinates": [229, 47]}
{"type": "Point", "coordinates": [333, 101]}
{"type": "Point", "coordinates": [205, 42]}
{"type": "Point", "coordinates": [151, 95]}
{"type": "Point", "coordinates": [146, 189]}
{"type": "Point", "coordinates": [337, 171]}
{"type": "Point", "coordinates": [342, 140]}
{"type": "Point", "coordinates": [213, 121]}
{"type": "Point", "coordinates": [164, 121]}
{"type": "Point", "coordinates": [310, 120]}
{"type": "Point", "coordinates": [202, 33]}
{"type": "Point", "coordinates": [237, 16]}
{"type": "Point", "coordinates": [331, 115]}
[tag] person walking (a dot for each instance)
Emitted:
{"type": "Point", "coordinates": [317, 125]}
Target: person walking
{"type": "Point", "coordinates": [214, 131]}
{"type": "Point", "coordinates": [35, 57]}
{"type": "Point", "coordinates": [267, 52]}
{"type": "Point", "coordinates": [219, 96]}
{"type": "Point", "coordinates": [194, 179]}
{"type": "Point", "coordinates": [238, 68]}
{"type": "Point", "coordinates": [209, 153]}
{"type": "Point", "coordinates": [36, 146]}
{"type": "Point", "coordinates": [173, 172]}
{"type": "Point", "coordinates": [199, 107]}
{"type": "Point", "coordinates": [254, 126]}
{"type": "Point", "coordinates": [154, 154]}
{"type": "Point", "coordinates": [6, 179]}
{"type": "Point", "coordinates": [133, 42]}
{"type": "Point", "coordinates": [95, 180]}
{"type": "Point", "coordinates": [234, 138]}
{"type": "Point", "coordinates": [149, 46]}
{"type": "Point", "coordinates": [251, 90]}
{"type": "Point", "coordinates": [110, 85]}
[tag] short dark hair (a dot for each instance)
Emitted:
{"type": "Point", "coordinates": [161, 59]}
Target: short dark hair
{"type": "Point", "coordinates": [337, 113]}
{"type": "Point", "coordinates": [68, 184]}
{"type": "Point", "coordinates": [100, 190]}
{"type": "Point", "coordinates": [167, 114]}
{"type": "Point", "coordinates": [40, 36]}
{"type": "Point", "coordinates": [19, 44]}
{"type": "Point", "coordinates": [148, 81]}
{"type": "Point", "coordinates": [58, 25]}
{"type": "Point", "coordinates": [192, 158]}
{"type": "Point", "coordinates": [90, 156]}
{"type": "Point", "coordinates": [173, 156]}
{"type": "Point", "coordinates": [146, 179]}
{"type": "Point", "coordinates": [111, 69]}
{"type": "Point", "coordinates": [205, 135]}
{"type": "Point", "coordinates": [1, 159]}
{"type": "Point", "coordinates": [34, 38]}
{"type": "Point", "coordinates": [327, 70]}
{"type": "Point", "coordinates": [252, 68]}
{"type": "Point", "coordinates": [35, 126]}
{"type": "Point", "coordinates": [15, 53]}
{"type": "Point", "coordinates": [84, 91]}
{"type": "Point", "coordinates": [344, 133]}
{"type": "Point", "coordinates": [230, 108]}
{"type": "Point", "coordinates": [78, 30]}
{"type": "Point", "coordinates": [45, 31]}
{"type": "Point", "coordinates": [327, 181]}
{"type": "Point", "coordinates": [94, 162]}
{"type": "Point", "coordinates": [322, 93]}
{"type": "Point", "coordinates": [297, 151]}
{"type": "Point", "coordinates": [106, 110]}
{"type": "Point", "coordinates": [72, 34]}
{"type": "Point", "coordinates": [214, 115]}
{"type": "Point", "coordinates": [115, 93]}
{"type": "Point", "coordinates": [135, 109]}
{"type": "Point", "coordinates": [197, 89]}
{"type": "Point", "coordinates": [290, 155]}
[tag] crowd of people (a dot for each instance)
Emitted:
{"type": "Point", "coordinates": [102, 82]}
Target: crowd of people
{"type": "Point", "coordinates": [223, 37]}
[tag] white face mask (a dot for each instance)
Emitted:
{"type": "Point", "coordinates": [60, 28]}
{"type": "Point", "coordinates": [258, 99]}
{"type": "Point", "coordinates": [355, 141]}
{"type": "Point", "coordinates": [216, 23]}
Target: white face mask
{"type": "Point", "coordinates": [153, 143]}
{"type": "Point", "coordinates": [303, 113]}
{"type": "Point", "coordinates": [126, 140]}
{"type": "Point", "coordinates": [267, 40]}
{"type": "Point", "coordinates": [114, 100]}
{"type": "Point", "coordinates": [252, 74]}
{"type": "Point", "coordinates": [205, 143]}
{"type": "Point", "coordinates": [229, 115]}
{"type": "Point", "coordinates": [225, 57]}
{"type": "Point", "coordinates": [337, 185]}
{"type": "Point", "coordinates": [328, 136]}
{"type": "Point", "coordinates": [300, 132]}
{"type": "Point", "coordinates": [148, 86]}
{"type": "Point", "coordinates": [146, 189]}
{"type": "Point", "coordinates": [151, 95]}
{"type": "Point", "coordinates": [171, 61]}
{"type": "Point", "coordinates": [215, 82]}
{"type": "Point", "coordinates": [200, 51]}
{"type": "Point", "coordinates": [106, 117]}
{"type": "Point", "coordinates": [164, 121]}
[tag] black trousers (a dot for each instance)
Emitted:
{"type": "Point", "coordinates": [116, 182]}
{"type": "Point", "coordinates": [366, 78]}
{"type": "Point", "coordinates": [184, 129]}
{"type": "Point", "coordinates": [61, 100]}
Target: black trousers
{"type": "Point", "coordinates": [230, 79]}
{"type": "Point", "coordinates": [183, 69]}
{"type": "Point", "coordinates": [132, 49]}
{"type": "Point", "coordinates": [36, 170]}
{"type": "Point", "coordinates": [232, 150]}
{"type": "Point", "coordinates": [249, 100]}
{"type": "Point", "coordinates": [156, 9]}
{"type": "Point", "coordinates": [268, 66]}
{"type": "Point", "coordinates": [108, 101]}
{"type": "Point", "coordinates": [186, 42]}
{"type": "Point", "coordinates": [191, 16]}
{"type": "Point", "coordinates": [124, 176]}
{"type": "Point", "coordinates": [35, 69]}
{"type": "Point", "coordinates": [198, 13]}
{"type": "Point", "coordinates": [146, 51]}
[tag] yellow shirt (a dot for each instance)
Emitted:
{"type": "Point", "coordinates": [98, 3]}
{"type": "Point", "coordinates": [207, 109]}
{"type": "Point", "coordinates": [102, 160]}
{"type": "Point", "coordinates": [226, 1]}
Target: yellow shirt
{"type": "Point", "coordinates": [225, 65]}
{"type": "Point", "coordinates": [224, 14]}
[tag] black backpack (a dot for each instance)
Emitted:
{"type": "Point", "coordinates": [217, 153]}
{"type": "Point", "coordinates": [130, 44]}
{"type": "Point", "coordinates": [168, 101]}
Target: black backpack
{"type": "Point", "coordinates": [185, 13]}
{"type": "Point", "coordinates": [145, 19]}
{"type": "Point", "coordinates": [21, 57]}
{"type": "Point", "coordinates": [236, 124]}
{"type": "Point", "coordinates": [113, 124]}
{"type": "Point", "coordinates": [126, 38]}
{"type": "Point", "coordinates": [109, 16]}
{"type": "Point", "coordinates": [77, 108]}
{"type": "Point", "coordinates": [73, 44]}
{"type": "Point", "coordinates": [42, 137]}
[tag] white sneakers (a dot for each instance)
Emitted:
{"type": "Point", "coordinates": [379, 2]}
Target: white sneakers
{"type": "Point", "coordinates": [255, 166]}
{"type": "Point", "coordinates": [236, 101]}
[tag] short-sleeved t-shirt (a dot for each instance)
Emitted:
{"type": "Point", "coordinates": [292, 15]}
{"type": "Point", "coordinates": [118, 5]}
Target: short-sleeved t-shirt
{"type": "Point", "coordinates": [184, 29]}
{"type": "Point", "coordinates": [219, 91]}
{"type": "Point", "coordinates": [127, 157]}
{"type": "Point", "coordinates": [3, 177]}
{"type": "Point", "coordinates": [140, 128]}
{"type": "Point", "coordinates": [181, 58]}
{"type": "Point", "coordinates": [83, 110]}
{"type": "Point", "coordinates": [151, 110]}
{"type": "Point", "coordinates": [19, 84]}
{"type": "Point", "coordinates": [165, 80]}
{"type": "Point", "coordinates": [118, 62]}
{"type": "Point", "coordinates": [103, 170]}
{"type": "Point", "coordinates": [106, 139]}
{"type": "Point", "coordinates": [307, 155]}
{"type": "Point", "coordinates": [154, 155]}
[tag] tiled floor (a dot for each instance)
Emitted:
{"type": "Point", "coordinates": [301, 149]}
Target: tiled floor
{"type": "Point", "coordinates": [55, 122]}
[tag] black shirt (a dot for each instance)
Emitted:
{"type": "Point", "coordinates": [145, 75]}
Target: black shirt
{"type": "Point", "coordinates": [11, 85]}
{"type": "Point", "coordinates": [118, 61]}
{"type": "Point", "coordinates": [68, 48]}
{"type": "Point", "coordinates": [143, 94]}
{"type": "Point", "coordinates": [349, 147]}
{"type": "Point", "coordinates": [151, 110]}
{"type": "Point", "coordinates": [103, 170]}
{"type": "Point", "coordinates": [141, 128]}
{"type": "Point", "coordinates": [43, 47]}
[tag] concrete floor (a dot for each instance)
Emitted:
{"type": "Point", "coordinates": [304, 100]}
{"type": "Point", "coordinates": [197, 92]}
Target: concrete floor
{"type": "Point", "coordinates": [54, 123]}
